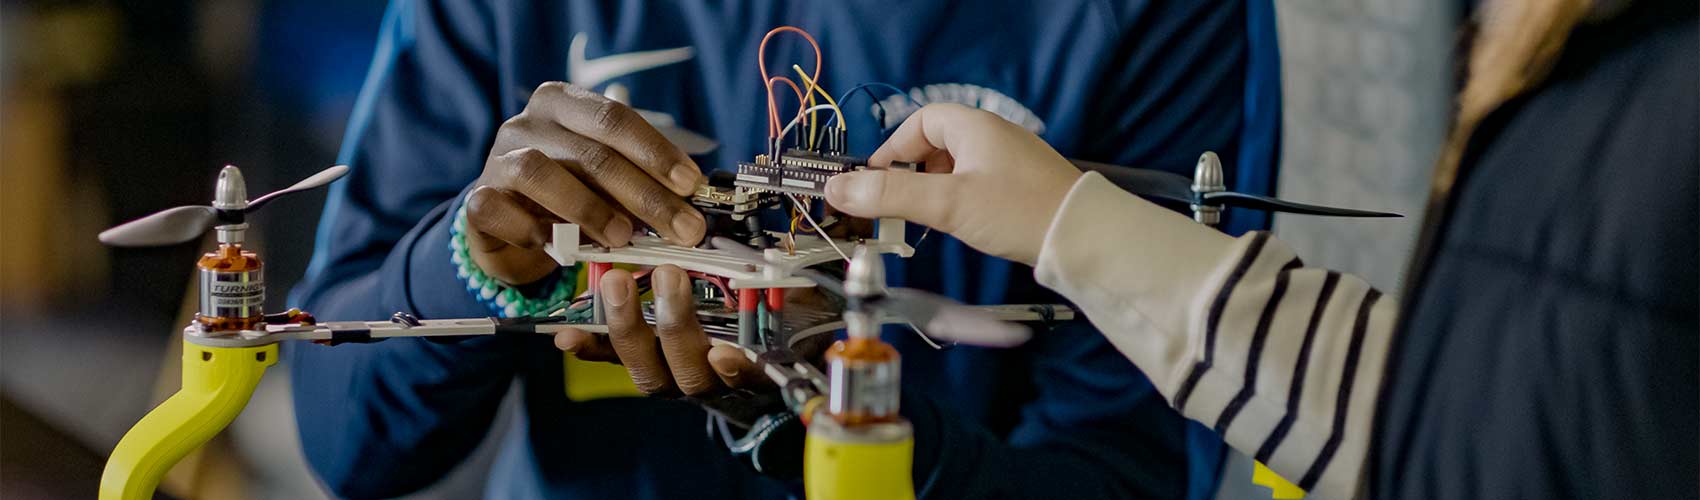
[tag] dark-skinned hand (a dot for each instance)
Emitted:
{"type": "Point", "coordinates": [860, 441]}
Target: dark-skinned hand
{"type": "Point", "coordinates": [674, 357]}
{"type": "Point", "coordinates": [574, 155]}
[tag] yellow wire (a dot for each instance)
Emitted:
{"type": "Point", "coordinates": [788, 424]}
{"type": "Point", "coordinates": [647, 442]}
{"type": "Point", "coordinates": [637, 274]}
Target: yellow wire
{"type": "Point", "coordinates": [792, 233]}
{"type": "Point", "coordinates": [808, 102]}
{"type": "Point", "coordinates": [811, 142]}
{"type": "Point", "coordinates": [810, 84]}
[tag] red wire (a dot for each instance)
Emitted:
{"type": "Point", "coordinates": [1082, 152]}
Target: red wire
{"type": "Point", "coordinates": [773, 124]}
{"type": "Point", "coordinates": [638, 277]}
{"type": "Point", "coordinates": [721, 283]}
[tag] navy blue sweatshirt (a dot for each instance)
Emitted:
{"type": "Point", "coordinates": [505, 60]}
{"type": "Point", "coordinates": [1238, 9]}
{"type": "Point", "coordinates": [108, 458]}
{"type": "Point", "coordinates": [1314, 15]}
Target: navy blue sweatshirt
{"type": "Point", "coordinates": [1138, 83]}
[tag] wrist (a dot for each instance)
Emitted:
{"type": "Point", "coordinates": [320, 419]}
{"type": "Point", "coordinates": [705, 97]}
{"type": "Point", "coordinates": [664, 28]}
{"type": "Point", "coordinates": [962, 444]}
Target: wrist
{"type": "Point", "coordinates": [1055, 216]}
{"type": "Point", "coordinates": [1048, 199]}
{"type": "Point", "coordinates": [538, 298]}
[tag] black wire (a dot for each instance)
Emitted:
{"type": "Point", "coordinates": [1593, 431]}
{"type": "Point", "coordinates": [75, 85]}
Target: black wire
{"type": "Point", "coordinates": [884, 133]}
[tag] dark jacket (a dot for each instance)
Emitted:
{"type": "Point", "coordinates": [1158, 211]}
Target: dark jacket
{"type": "Point", "coordinates": [1548, 349]}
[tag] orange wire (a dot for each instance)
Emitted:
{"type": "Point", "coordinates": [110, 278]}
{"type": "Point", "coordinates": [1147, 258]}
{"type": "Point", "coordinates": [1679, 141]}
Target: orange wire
{"type": "Point", "coordinates": [773, 124]}
{"type": "Point", "coordinates": [772, 106]}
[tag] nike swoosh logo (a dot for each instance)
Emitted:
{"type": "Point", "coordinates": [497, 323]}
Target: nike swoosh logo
{"type": "Point", "coordinates": [589, 73]}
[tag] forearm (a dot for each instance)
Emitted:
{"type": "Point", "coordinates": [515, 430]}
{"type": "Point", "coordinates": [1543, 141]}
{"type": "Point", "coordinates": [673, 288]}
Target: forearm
{"type": "Point", "coordinates": [1284, 361]}
{"type": "Point", "coordinates": [403, 410]}
{"type": "Point", "coordinates": [386, 418]}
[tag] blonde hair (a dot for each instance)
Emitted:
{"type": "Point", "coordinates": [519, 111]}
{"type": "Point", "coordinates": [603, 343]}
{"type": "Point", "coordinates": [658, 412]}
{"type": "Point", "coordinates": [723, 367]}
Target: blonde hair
{"type": "Point", "coordinates": [1516, 44]}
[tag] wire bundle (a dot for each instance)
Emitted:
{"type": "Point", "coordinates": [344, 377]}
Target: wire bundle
{"type": "Point", "coordinates": [773, 123]}
{"type": "Point", "coordinates": [806, 109]}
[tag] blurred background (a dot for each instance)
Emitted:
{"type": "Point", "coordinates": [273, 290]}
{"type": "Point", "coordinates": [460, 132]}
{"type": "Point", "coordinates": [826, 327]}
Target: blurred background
{"type": "Point", "coordinates": [113, 109]}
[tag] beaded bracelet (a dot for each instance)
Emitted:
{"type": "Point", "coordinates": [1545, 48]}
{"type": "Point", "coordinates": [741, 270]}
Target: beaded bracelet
{"type": "Point", "coordinates": [505, 300]}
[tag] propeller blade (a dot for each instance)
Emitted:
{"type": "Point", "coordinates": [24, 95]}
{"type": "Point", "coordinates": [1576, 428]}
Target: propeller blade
{"type": "Point", "coordinates": [832, 285]}
{"type": "Point", "coordinates": [742, 251]}
{"type": "Point", "coordinates": [168, 227]}
{"type": "Point", "coordinates": [933, 314]}
{"type": "Point", "coordinates": [1167, 186]}
{"type": "Point", "coordinates": [1252, 201]}
{"type": "Point", "coordinates": [324, 177]}
{"type": "Point", "coordinates": [944, 318]}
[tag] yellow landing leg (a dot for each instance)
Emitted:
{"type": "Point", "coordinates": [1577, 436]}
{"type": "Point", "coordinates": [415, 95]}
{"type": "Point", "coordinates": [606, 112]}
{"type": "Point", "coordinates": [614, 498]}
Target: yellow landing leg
{"type": "Point", "coordinates": [217, 382]}
{"type": "Point", "coordinates": [845, 464]}
{"type": "Point", "coordinates": [1279, 486]}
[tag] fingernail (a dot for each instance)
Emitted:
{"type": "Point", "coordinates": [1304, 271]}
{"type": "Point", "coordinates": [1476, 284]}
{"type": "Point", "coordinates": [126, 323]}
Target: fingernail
{"type": "Point", "coordinates": [853, 191]}
{"type": "Point", "coordinates": [727, 371]}
{"type": "Point", "coordinates": [688, 226]}
{"type": "Point", "coordinates": [835, 189]}
{"type": "Point", "coordinates": [614, 292]}
{"type": "Point", "coordinates": [619, 231]}
{"type": "Point", "coordinates": [685, 175]}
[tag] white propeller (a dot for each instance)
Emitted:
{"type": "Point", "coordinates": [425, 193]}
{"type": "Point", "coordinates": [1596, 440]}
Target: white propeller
{"type": "Point", "coordinates": [181, 224]}
{"type": "Point", "coordinates": [935, 315]}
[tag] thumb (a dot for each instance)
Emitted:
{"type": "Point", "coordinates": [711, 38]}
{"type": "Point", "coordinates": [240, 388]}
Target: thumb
{"type": "Point", "coordinates": [926, 199]}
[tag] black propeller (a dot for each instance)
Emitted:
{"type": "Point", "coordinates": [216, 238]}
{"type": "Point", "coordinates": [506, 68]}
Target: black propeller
{"type": "Point", "coordinates": [180, 224]}
{"type": "Point", "coordinates": [1270, 204]}
{"type": "Point", "coordinates": [1169, 186]}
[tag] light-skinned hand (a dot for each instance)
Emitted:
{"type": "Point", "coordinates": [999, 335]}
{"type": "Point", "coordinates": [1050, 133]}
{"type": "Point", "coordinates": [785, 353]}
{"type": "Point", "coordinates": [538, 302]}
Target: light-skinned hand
{"type": "Point", "coordinates": [989, 182]}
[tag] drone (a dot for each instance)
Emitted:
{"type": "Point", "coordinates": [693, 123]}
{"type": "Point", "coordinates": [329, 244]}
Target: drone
{"type": "Point", "coordinates": [857, 445]}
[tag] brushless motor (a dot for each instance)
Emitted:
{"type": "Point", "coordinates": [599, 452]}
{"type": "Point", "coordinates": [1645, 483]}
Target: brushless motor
{"type": "Point", "coordinates": [863, 371]}
{"type": "Point", "coordinates": [864, 376]}
{"type": "Point", "coordinates": [233, 286]}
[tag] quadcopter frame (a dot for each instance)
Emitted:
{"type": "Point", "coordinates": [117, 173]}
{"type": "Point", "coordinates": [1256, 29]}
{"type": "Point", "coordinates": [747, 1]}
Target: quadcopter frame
{"type": "Point", "coordinates": [222, 367]}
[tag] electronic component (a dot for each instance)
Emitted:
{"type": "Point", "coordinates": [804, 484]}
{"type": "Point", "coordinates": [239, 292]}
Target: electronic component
{"type": "Point", "coordinates": [798, 172]}
{"type": "Point", "coordinates": [801, 172]}
{"type": "Point", "coordinates": [721, 197]}
{"type": "Point", "coordinates": [733, 211]}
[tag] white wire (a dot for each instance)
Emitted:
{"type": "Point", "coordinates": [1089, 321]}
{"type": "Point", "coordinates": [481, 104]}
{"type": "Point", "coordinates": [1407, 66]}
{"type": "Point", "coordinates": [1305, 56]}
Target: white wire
{"type": "Point", "coordinates": [811, 218]}
{"type": "Point", "coordinates": [807, 112]}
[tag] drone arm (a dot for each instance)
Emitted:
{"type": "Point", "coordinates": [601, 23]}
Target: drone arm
{"type": "Point", "coordinates": [217, 383]}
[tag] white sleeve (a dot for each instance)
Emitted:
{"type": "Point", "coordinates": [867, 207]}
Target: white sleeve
{"type": "Point", "coordinates": [1283, 360]}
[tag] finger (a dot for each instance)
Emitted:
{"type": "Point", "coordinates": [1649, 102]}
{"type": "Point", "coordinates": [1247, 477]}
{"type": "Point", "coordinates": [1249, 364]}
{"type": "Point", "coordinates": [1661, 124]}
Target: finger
{"type": "Point", "coordinates": [586, 346]}
{"type": "Point", "coordinates": [926, 199]}
{"type": "Point", "coordinates": [514, 265]}
{"type": "Point", "coordinates": [496, 214]}
{"type": "Point", "coordinates": [631, 337]}
{"type": "Point", "coordinates": [682, 339]}
{"type": "Point", "coordinates": [637, 193]}
{"type": "Point", "coordinates": [930, 130]}
{"type": "Point", "coordinates": [634, 191]}
{"type": "Point", "coordinates": [505, 239]}
{"type": "Point", "coordinates": [535, 175]}
{"type": "Point", "coordinates": [735, 368]}
{"type": "Point", "coordinates": [606, 121]}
